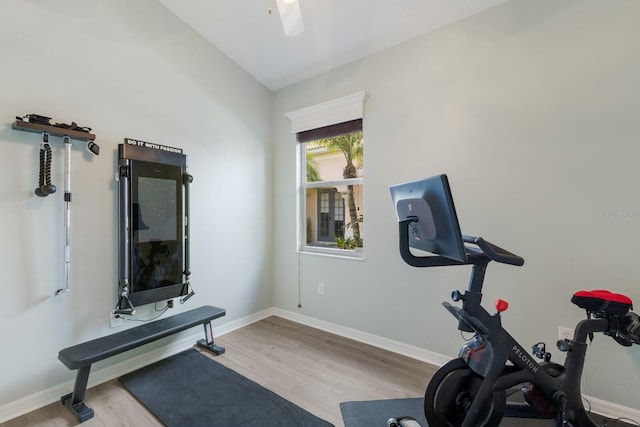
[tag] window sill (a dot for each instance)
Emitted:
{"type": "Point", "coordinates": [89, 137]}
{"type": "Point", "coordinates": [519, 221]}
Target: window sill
{"type": "Point", "coordinates": [356, 255]}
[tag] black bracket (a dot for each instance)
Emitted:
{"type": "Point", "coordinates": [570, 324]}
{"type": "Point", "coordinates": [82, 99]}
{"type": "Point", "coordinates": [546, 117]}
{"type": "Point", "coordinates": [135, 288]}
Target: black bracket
{"type": "Point", "coordinates": [75, 401]}
{"type": "Point", "coordinates": [208, 341]}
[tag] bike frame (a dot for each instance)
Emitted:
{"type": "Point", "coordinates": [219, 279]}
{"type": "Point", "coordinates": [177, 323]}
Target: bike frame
{"type": "Point", "coordinates": [473, 317]}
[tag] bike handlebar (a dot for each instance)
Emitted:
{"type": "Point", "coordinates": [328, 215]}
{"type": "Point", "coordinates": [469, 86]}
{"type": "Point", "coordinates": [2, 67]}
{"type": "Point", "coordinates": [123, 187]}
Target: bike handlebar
{"type": "Point", "coordinates": [485, 251]}
{"type": "Point", "coordinates": [494, 252]}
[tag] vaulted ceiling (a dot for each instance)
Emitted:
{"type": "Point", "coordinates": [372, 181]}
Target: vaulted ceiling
{"type": "Point", "coordinates": [336, 31]}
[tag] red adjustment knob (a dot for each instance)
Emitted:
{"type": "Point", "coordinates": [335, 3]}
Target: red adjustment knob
{"type": "Point", "coordinates": [501, 305]}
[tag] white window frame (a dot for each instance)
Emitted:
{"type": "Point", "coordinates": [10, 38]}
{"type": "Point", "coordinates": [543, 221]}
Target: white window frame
{"type": "Point", "coordinates": [350, 107]}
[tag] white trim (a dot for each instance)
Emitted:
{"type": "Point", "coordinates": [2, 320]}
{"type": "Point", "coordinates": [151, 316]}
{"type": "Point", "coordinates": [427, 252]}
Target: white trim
{"type": "Point", "coordinates": [327, 113]}
{"type": "Point", "coordinates": [301, 205]}
{"type": "Point", "coordinates": [40, 399]}
{"type": "Point", "coordinates": [365, 337]}
{"type": "Point", "coordinates": [611, 410]}
{"type": "Point", "coordinates": [334, 183]}
{"type": "Point", "coordinates": [356, 254]}
{"type": "Point", "coordinates": [339, 110]}
{"type": "Point", "coordinates": [598, 406]}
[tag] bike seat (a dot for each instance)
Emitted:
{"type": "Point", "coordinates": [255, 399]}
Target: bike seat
{"type": "Point", "coordinates": [602, 303]}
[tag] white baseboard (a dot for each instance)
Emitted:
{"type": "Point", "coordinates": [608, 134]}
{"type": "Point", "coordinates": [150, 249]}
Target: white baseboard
{"type": "Point", "coordinates": [366, 338]}
{"type": "Point", "coordinates": [53, 394]}
{"type": "Point", "coordinates": [612, 410]}
{"type": "Point", "coordinates": [42, 398]}
{"type": "Point", "coordinates": [598, 406]}
{"type": "Point", "coordinates": [45, 397]}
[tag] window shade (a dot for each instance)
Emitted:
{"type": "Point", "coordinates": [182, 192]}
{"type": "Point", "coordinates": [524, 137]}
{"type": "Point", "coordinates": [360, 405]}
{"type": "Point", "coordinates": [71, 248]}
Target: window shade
{"type": "Point", "coordinates": [330, 131]}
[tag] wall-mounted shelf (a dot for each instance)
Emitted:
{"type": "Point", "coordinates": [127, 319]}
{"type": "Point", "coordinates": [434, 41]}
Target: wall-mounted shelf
{"type": "Point", "coordinates": [52, 130]}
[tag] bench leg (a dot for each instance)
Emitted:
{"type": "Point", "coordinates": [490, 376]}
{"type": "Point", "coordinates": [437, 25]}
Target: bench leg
{"type": "Point", "coordinates": [208, 341]}
{"type": "Point", "coordinates": [75, 401]}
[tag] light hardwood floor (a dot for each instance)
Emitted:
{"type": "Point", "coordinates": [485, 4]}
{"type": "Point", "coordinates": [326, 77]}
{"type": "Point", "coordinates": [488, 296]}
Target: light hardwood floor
{"type": "Point", "coordinates": [311, 368]}
{"type": "Point", "coordinates": [314, 369]}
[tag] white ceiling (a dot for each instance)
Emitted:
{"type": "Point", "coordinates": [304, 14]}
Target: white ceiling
{"type": "Point", "coordinates": [336, 31]}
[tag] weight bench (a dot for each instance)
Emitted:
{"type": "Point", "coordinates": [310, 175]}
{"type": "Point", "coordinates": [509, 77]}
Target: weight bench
{"type": "Point", "coordinates": [82, 356]}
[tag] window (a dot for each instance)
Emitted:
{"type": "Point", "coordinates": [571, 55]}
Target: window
{"type": "Point", "coordinates": [331, 182]}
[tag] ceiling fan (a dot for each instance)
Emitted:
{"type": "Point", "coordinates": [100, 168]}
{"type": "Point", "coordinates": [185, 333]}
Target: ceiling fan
{"type": "Point", "coordinates": [291, 17]}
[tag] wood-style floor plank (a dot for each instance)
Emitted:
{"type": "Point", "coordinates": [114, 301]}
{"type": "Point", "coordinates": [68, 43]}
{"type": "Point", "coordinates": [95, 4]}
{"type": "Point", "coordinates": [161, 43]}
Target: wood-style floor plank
{"type": "Point", "coordinates": [314, 369]}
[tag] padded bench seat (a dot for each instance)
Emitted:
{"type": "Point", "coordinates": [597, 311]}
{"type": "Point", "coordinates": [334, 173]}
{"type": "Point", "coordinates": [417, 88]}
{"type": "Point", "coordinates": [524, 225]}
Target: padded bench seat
{"type": "Point", "coordinates": [82, 356]}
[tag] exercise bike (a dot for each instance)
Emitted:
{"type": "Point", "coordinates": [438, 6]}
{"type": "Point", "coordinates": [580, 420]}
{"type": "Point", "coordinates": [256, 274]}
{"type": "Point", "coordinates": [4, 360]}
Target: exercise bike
{"type": "Point", "coordinates": [472, 389]}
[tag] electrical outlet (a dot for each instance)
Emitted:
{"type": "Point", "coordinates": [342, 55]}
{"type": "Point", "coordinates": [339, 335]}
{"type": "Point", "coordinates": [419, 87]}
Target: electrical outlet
{"type": "Point", "coordinates": [114, 321]}
{"type": "Point", "coordinates": [565, 333]}
{"type": "Point", "coordinates": [170, 303]}
{"type": "Point", "coordinates": [321, 288]}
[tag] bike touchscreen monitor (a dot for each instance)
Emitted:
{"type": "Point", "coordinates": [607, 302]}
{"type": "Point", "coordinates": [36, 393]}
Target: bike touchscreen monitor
{"type": "Point", "coordinates": [436, 230]}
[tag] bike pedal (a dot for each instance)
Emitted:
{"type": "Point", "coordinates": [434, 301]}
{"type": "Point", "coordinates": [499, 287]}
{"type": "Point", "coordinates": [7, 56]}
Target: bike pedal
{"type": "Point", "coordinates": [564, 345]}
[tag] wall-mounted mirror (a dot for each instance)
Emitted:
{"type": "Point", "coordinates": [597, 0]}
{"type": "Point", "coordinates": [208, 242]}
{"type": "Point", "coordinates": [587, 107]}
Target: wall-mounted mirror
{"type": "Point", "coordinates": [153, 200]}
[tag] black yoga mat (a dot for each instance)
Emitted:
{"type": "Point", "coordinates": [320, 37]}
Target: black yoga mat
{"type": "Point", "coordinates": [374, 413]}
{"type": "Point", "coordinates": [190, 389]}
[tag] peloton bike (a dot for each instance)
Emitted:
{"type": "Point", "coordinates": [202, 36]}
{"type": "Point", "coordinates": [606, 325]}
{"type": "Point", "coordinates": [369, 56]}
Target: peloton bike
{"type": "Point", "coordinates": [472, 389]}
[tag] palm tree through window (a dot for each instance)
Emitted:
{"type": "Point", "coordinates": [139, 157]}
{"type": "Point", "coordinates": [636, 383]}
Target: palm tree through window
{"type": "Point", "coordinates": [333, 186]}
{"type": "Point", "coordinates": [330, 181]}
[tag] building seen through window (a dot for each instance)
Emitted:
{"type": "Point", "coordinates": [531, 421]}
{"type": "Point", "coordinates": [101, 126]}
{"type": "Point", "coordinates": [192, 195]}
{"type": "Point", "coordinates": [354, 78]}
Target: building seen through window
{"type": "Point", "coordinates": [334, 188]}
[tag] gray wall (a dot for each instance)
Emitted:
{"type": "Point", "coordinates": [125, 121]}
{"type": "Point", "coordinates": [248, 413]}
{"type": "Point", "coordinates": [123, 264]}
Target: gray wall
{"type": "Point", "coordinates": [126, 69]}
{"type": "Point", "coordinates": [531, 108]}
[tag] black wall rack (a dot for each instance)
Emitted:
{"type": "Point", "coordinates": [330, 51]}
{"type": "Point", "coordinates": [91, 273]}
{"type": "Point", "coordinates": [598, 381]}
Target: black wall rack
{"type": "Point", "coordinates": [52, 130]}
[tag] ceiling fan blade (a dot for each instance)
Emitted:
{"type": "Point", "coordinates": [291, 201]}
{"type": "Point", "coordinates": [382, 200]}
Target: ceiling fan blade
{"type": "Point", "coordinates": [291, 17]}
